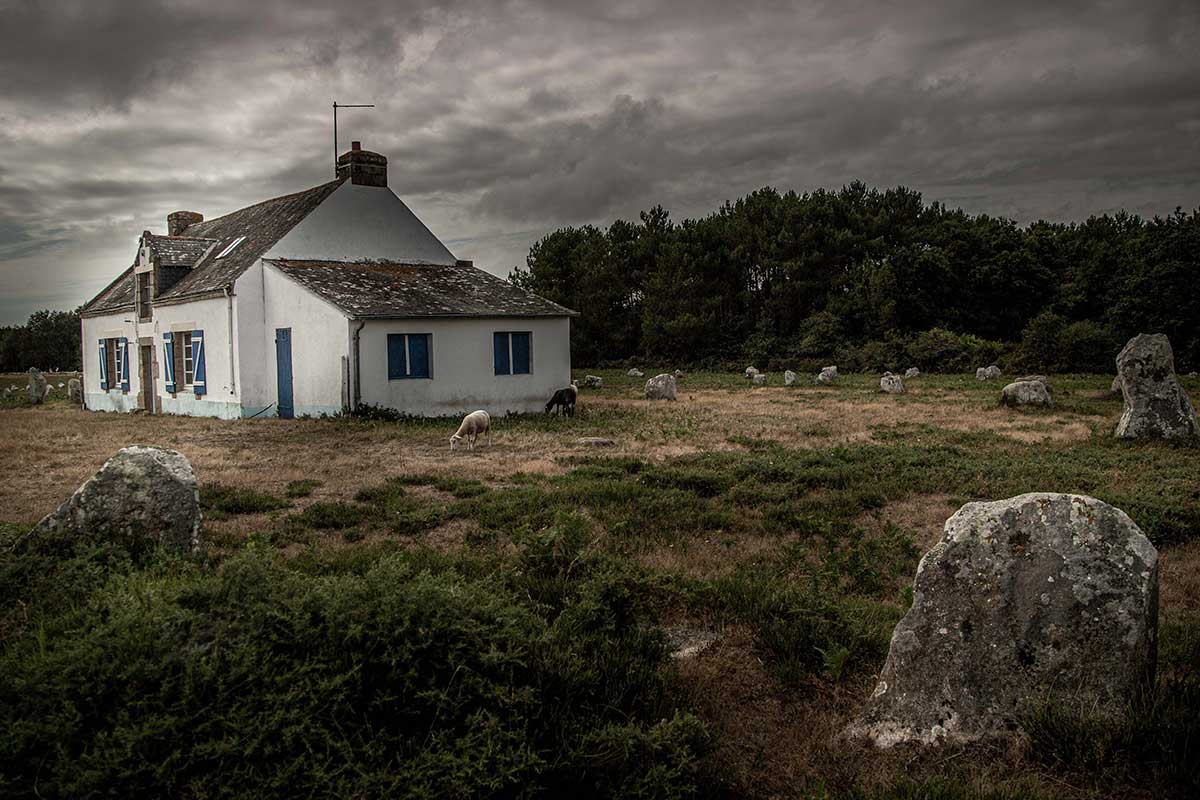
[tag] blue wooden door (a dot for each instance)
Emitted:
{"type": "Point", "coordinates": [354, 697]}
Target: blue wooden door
{"type": "Point", "coordinates": [283, 366]}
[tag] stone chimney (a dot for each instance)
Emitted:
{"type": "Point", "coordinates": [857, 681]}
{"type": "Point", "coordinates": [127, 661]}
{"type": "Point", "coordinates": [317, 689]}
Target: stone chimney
{"type": "Point", "coordinates": [177, 221]}
{"type": "Point", "coordinates": [362, 167]}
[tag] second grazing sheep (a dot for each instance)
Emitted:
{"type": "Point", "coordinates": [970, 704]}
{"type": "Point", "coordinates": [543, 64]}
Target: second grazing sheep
{"type": "Point", "coordinates": [564, 400]}
{"type": "Point", "coordinates": [473, 425]}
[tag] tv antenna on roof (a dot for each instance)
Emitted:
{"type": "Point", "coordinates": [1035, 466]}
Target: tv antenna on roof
{"type": "Point", "coordinates": [336, 106]}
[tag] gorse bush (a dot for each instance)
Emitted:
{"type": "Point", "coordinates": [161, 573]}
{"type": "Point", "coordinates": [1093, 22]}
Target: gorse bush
{"type": "Point", "coordinates": [257, 680]}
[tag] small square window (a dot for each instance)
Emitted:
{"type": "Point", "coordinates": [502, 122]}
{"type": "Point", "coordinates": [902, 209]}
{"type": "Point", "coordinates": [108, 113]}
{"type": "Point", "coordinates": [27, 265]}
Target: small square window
{"type": "Point", "coordinates": [408, 355]}
{"type": "Point", "coordinates": [512, 352]}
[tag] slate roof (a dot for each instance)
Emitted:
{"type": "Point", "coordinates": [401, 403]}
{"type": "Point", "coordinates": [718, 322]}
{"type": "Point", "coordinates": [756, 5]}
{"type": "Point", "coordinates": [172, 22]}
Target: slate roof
{"type": "Point", "coordinates": [117, 296]}
{"type": "Point", "coordinates": [177, 251]}
{"type": "Point", "coordinates": [391, 290]}
{"type": "Point", "coordinates": [263, 224]}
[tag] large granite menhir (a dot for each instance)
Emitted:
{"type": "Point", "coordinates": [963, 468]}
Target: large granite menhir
{"type": "Point", "coordinates": [1156, 406]}
{"type": "Point", "coordinates": [143, 497]}
{"type": "Point", "coordinates": [1038, 598]}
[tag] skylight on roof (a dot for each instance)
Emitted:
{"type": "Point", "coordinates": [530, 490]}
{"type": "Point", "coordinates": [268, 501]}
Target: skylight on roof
{"type": "Point", "coordinates": [232, 246]}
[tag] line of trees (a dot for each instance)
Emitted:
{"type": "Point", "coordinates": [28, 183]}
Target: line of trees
{"type": "Point", "coordinates": [871, 280]}
{"type": "Point", "coordinates": [49, 340]}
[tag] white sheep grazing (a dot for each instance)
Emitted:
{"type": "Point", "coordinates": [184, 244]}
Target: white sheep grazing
{"type": "Point", "coordinates": [473, 425]}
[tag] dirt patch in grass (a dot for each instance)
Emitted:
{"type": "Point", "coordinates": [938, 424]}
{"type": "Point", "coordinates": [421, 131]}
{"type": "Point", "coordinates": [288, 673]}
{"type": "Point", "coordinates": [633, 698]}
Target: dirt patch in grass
{"type": "Point", "coordinates": [923, 516]}
{"type": "Point", "coordinates": [711, 557]}
{"type": "Point", "coordinates": [1179, 576]}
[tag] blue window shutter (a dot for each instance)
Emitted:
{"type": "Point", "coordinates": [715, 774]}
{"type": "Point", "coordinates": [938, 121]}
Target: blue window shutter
{"type": "Point", "coordinates": [397, 367]}
{"type": "Point", "coordinates": [103, 364]}
{"type": "Point", "coordinates": [169, 362]}
{"type": "Point", "coordinates": [418, 355]}
{"type": "Point", "coordinates": [198, 373]}
{"type": "Point", "coordinates": [124, 345]}
{"type": "Point", "coordinates": [500, 353]}
{"type": "Point", "coordinates": [520, 353]}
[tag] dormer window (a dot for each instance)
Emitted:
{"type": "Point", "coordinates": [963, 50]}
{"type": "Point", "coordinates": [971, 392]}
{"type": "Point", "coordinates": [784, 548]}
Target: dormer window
{"type": "Point", "coordinates": [231, 247]}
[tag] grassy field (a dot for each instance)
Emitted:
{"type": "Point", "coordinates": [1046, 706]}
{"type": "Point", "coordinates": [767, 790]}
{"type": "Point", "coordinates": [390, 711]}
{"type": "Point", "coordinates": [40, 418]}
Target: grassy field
{"type": "Point", "coordinates": [782, 523]}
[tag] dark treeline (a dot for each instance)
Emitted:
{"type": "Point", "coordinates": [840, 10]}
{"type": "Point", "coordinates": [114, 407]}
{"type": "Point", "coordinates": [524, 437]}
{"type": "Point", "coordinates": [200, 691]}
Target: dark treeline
{"type": "Point", "coordinates": [871, 280]}
{"type": "Point", "coordinates": [49, 340]}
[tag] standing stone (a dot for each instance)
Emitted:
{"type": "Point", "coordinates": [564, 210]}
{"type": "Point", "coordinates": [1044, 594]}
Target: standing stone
{"type": "Point", "coordinates": [593, 381]}
{"type": "Point", "coordinates": [1025, 393]}
{"type": "Point", "coordinates": [75, 391]}
{"type": "Point", "coordinates": [661, 387]}
{"type": "Point", "coordinates": [1038, 598]}
{"type": "Point", "coordinates": [789, 378]}
{"type": "Point", "coordinates": [911, 372]}
{"type": "Point", "coordinates": [750, 372]}
{"type": "Point", "coordinates": [988, 373]}
{"type": "Point", "coordinates": [141, 498]}
{"type": "Point", "coordinates": [891, 384]}
{"type": "Point", "coordinates": [759, 379]}
{"type": "Point", "coordinates": [38, 388]}
{"type": "Point", "coordinates": [1156, 406]}
{"type": "Point", "coordinates": [827, 375]}
{"type": "Point", "coordinates": [1042, 379]}
{"type": "Point", "coordinates": [634, 372]}
{"type": "Point", "coordinates": [1115, 388]}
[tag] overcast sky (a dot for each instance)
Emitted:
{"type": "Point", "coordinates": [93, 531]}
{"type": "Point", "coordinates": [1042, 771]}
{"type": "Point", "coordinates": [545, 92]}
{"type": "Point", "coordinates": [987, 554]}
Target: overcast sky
{"type": "Point", "coordinates": [503, 121]}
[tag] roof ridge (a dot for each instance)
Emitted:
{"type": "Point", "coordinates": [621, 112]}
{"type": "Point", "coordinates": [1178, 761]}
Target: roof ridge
{"type": "Point", "coordinates": [290, 195]}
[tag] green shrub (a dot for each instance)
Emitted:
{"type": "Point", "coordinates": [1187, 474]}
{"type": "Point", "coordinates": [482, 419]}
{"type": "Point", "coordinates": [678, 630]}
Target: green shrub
{"type": "Point", "coordinates": [302, 487]}
{"type": "Point", "coordinates": [262, 681]}
{"type": "Point", "coordinates": [332, 515]}
{"type": "Point", "coordinates": [217, 500]}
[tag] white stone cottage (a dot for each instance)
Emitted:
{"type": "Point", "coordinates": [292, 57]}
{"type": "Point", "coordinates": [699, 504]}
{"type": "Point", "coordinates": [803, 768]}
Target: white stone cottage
{"type": "Point", "coordinates": [315, 303]}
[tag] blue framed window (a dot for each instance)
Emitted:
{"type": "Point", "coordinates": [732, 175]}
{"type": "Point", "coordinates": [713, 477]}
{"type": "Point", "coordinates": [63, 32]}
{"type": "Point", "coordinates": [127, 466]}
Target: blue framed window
{"type": "Point", "coordinates": [408, 355]}
{"type": "Point", "coordinates": [511, 354]}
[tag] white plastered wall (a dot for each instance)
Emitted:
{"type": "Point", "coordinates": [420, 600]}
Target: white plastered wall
{"type": "Point", "coordinates": [362, 222]}
{"type": "Point", "coordinates": [210, 315]}
{"type": "Point", "coordinates": [320, 340]}
{"type": "Point", "coordinates": [463, 377]}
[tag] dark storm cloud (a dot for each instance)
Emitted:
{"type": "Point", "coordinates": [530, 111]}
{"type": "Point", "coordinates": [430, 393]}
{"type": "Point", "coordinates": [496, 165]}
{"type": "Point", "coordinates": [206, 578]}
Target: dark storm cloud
{"type": "Point", "coordinates": [504, 120]}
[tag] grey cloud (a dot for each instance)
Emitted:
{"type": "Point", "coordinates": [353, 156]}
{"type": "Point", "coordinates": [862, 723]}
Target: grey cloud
{"type": "Point", "coordinates": [504, 120]}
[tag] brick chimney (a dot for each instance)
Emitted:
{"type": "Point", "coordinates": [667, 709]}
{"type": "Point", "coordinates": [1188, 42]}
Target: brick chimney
{"type": "Point", "coordinates": [177, 221]}
{"type": "Point", "coordinates": [362, 167]}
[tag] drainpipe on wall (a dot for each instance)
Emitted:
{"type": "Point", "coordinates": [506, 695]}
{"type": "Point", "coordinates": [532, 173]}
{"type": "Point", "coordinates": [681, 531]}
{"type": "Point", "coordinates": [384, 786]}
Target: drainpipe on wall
{"type": "Point", "coordinates": [357, 384]}
{"type": "Point", "coordinates": [232, 369]}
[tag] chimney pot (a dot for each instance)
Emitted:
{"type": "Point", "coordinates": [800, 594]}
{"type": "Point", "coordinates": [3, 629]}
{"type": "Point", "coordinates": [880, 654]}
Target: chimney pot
{"type": "Point", "coordinates": [362, 167]}
{"type": "Point", "coordinates": [177, 221]}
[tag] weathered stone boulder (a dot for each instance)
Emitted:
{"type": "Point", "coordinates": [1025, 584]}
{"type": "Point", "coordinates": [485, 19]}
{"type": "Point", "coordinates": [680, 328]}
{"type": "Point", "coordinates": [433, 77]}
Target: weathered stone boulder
{"type": "Point", "coordinates": [634, 372]}
{"type": "Point", "coordinates": [595, 441]}
{"type": "Point", "coordinates": [760, 379]}
{"type": "Point", "coordinates": [750, 372]}
{"type": "Point", "coordinates": [911, 372]}
{"type": "Point", "coordinates": [75, 391]}
{"type": "Point", "coordinates": [789, 378]}
{"type": "Point", "coordinates": [661, 387]}
{"type": "Point", "coordinates": [1156, 406]}
{"type": "Point", "coordinates": [1115, 388]}
{"type": "Point", "coordinates": [988, 373]}
{"type": "Point", "coordinates": [1025, 393]}
{"type": "Point", "coordinates": [593, 381]}
{"type": "Point", "coordinates": [1038, 598]}
{"type": "Point", "coordinates": [1042, 379]}
{"type": "Point", "coordinates": [678, 374]}
{"type": "Point", "coordinates": [827, 375]}
{"type": "Point", "coordinates": [143, 497]}
{"type": "Point", "coordinates": [38, 387]}
{"type": "Point", "coordinates": [891, 384]}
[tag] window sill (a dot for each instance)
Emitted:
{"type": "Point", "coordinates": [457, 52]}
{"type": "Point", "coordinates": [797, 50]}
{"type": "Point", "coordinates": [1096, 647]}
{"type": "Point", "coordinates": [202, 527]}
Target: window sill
{"type": "Point", "coordinates": [410, 378]}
